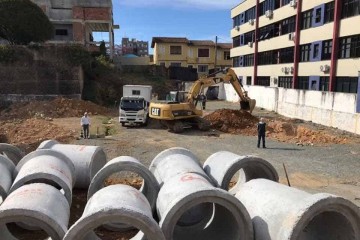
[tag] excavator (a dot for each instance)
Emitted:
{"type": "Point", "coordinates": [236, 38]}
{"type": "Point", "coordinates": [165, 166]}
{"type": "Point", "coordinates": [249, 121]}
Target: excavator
{"type": "Point", "coordinates": [178, 116]}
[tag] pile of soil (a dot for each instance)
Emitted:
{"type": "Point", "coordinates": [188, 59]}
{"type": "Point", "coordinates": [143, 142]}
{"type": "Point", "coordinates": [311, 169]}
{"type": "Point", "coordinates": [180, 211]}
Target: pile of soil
{"type": "Point", "coordinates": [233, 121]}
{"type": "Point", "coordinates": [28, 134]}
{"type": "Point", "coordinates": [57, 108]}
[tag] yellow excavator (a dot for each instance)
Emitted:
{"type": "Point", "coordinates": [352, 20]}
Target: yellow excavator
{"type": "Point", "coordinates": [178, 116]}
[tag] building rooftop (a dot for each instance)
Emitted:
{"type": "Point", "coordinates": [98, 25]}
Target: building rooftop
{"type": "Point", "coordinates": [189, 42]}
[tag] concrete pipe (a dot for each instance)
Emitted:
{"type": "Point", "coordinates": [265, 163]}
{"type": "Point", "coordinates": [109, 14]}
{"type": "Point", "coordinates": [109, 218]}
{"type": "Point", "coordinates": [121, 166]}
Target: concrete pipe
{"type": "Point", "coordinates": [150, 187]}
{"type": "Point", "coordinates": [46, 166]}
{"type": "Point", "coordinates": [38, 205]}
{"type": "Point", "coordinates": [88, 160]}
{"type": "Point", "coordinates": [279, 212]}
{"type": "Point", "coordinates": [116, 203]}
{"type": "Point", "coordinates": [7, 168]}
{"type": "Point", "coordinates": [174, 161]}
{"type": "Point", "coordinates": [221, 167]}
{"type": "Point", "coordinates": [11, 152]}
{"type": "Point", "coordinates": [179, 199]}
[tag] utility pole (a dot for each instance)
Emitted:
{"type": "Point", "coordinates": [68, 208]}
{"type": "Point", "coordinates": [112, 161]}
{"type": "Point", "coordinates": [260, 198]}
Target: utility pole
{"type": "Point", "coordinates": [216, 45]}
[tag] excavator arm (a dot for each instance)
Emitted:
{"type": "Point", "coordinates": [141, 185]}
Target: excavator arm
{"type": "Point", "coordinates": [246, 103]}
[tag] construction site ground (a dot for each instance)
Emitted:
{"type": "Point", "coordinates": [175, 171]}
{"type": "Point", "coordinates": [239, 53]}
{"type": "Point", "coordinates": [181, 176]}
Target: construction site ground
{"type": "Point", "coordinates": [325, 160]}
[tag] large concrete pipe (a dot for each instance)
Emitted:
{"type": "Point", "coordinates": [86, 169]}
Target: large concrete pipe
{"type": "Point", "coordinates": [174, 161]}
{"type": "Point", "coordinates": [46, 166]}
{"type": "Point", "coordinates": [114, 204]}
{"type": "Point", "coordinates": [88, 160]}
{"type": "Point", "coordinates": [181, 195]}
{"type": "Point", "coordinates": [279, 212]}
{"type": "Point", "coordinates": [222, 166]}
{"type": "Point", "coordinates": [150, 187]}
{"type": "Point", "coordinates": [11, 152]}
{"type": "Point", "coordinates": [7, 168]}
{"type": "Point", "coordinates": [39, 205]}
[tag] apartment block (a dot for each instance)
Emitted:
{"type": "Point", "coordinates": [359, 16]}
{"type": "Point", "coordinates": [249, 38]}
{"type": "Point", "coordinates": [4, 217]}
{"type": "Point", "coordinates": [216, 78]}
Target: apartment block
{"type": "Point", "coordinates": [75, 21]}
{"type": "Point", "coordinates": [133, 46]}
{"type": "Point", "coordinates": [199, 54]}
{"type": "Point", "coordinates": [299, 44]}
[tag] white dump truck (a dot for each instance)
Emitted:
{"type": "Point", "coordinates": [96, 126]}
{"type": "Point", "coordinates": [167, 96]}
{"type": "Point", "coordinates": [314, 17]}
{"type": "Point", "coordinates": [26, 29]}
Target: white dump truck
{"type": "Point", "coordinates": [134, 105]}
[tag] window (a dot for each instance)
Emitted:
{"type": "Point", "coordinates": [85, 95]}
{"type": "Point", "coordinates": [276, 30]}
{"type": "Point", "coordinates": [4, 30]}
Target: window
{"type": "Point", "coordinates": [269, 5]}
{"type": "Point", "coordinates": [329, 12]}
{"type": "Point", "coordinates": [285, 2]}
{"type": "Point", "coordinates": [61, 32]}
{"type": "Point", "coordinates": [162, 64]}
{"type": "Point", "coordinates": [286, 55]}
{"type": "Point", "coordinates": [175, 64]}
{"type": "Point", "coordinates": [326, 50]}
{"type": "Point", "coordinates": [175, 50]}
{"type": "Point", "coordinates": [227, 55]}
{"type": "Point", "coordinates": [288, 25]}
{"type": "Point", "coordinates": [249, 37]}
{"type": "Point", "coordinates": [236, 41]}
{"type": "Point", "coordinates": [306, 19]}
{"type": "Point", "coordinates": [350, 47]}
{"type": "Point", "coordinates": [268, 31]}
{"type": "Point", "coordinates": [266, 58]}
{"type": "Point", "coordinates": [236, 21]}
{"type": "Point", "coordinates": [263, 81]}
{"type": "Point", "coordinates": [303, 83]}
{"type": "Point", "coordinates": [250, 14]}
{"type": "Point", "coordinates": [238, 61]}
{"type": "Point", "coordinates": [347, 84]}
{"type": "Point", "coordinates": [318, 15]}
{"type": "Point", "coordinates": [350, 8]}
{"type": "Point", "coordinates": [248, 60]}
{"type": "Point", "coordinates": [305, 53]}
{"type": "Point", "coordinates": [324, 83]}
{"type": "Point", "coordinates": [316, 51]}
{"type": "Point", "coordinates": [136, 92]}
{"type": "Point", "coordinates": [203, 68]}
{"type": "Point", "coordinates": [203, 52]}
{"type": "Point", "coordinates": [248, 80]}
{"type": "Point", "coordinates": [285, 82]}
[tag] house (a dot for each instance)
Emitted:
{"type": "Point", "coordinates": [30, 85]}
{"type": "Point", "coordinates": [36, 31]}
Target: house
{"type": "Point", "coordinates": [199, 54]}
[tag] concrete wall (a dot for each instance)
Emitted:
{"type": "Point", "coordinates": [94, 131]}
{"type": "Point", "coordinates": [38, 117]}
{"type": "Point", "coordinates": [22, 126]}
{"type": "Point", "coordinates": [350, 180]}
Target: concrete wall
{"type": "Point", "coordinates": [326, 108]}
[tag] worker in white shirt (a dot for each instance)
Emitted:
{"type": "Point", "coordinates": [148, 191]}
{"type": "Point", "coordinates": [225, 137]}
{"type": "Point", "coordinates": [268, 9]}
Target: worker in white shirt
{"type": "Point", "coordinates": [85, 123]}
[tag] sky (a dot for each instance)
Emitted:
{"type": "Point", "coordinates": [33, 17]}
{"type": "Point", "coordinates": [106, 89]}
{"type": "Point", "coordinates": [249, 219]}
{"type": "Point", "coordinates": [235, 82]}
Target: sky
{"type": "Point", "coordinates": [194, 19]}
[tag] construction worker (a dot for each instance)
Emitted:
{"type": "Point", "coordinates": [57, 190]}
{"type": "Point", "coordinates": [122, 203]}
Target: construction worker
{"type": "Point", "coordinates": [203, 99]}
{"type": "Point", "coordinates": [261, 128]}
{"type": "Point", "coordinates": [85, 124]}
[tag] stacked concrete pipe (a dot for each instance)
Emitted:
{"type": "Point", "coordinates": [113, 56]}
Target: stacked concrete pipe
{"type": "Point", "coordinates": [46, 166]}
{"type": "Point", "coordinates": [279, 212]}
{"type": "Point", "coordinates": [116, 204]}
{"type": "Point", "coordinates": [7, 168]}
{"type": "Point", "coordinates": [190, 207]}
{"type": "Point", "coordinates": [222, 166]}
{"type": "Point", "coordinates": [39, 205]}
{"type": "Point", "coordinates": [11, 152]}
{"type": "Point", "coordinates": [88, 160]}
{"type": "Point", "coordinates": [150, 187]}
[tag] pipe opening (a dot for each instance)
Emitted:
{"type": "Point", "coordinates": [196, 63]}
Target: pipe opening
{"type": "Point", "coordinates": [199, 214]}
{"type": "Point", "coordinates": [328, 226]}
{"type": "Point", "coordinates": [19, 232]}
{"type": "Point", "coordinates": [103, 233]}
{"type": "Point", "coordinates": [125, 177]}
{"type": "Point", "coordinates": [46, 181]}
{"type": "Point", "coordinates": [221, 225]}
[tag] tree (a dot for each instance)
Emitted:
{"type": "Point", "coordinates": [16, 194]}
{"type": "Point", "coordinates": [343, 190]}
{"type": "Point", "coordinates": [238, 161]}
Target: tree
{"type": "Point", "coordinates": [22, 22]}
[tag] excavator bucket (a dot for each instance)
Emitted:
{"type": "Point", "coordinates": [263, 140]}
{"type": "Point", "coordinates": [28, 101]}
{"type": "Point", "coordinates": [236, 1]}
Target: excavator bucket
{"type": "Point", "coordinates": [248, 105]}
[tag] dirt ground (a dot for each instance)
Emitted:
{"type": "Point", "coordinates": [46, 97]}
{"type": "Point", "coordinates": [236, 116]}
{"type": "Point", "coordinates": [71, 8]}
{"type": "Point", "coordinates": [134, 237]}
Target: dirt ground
{"type": "Point", "coordinates": [317, 158]}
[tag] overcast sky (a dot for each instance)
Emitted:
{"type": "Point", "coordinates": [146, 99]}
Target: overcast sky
{"type": "Point", "coordinates": [194, 19]}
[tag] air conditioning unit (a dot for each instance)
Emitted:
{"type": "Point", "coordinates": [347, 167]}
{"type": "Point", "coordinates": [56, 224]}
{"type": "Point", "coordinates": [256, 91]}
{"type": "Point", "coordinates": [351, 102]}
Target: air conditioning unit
{"type": "Point", "coordinates": [284, 70]}
{"type": "Point", "coordinates": [293, 3]}
{"type": "Point", "coordinates": [291, 36]}
{"type": "Point", "coordinates": [269, 13]}
{"type": "Point", "coordinates": [291, 69]}
{"type": "Point", "coordinates": [325, 68]}
{"type": "Point", "coordinates": [274, 80]}
{"type": "Point", "coordinates": [237, 28]}
{"type": "Point", "coordinates": [250, 44]}
{"type": "Point", "coordinates": [251, 21]}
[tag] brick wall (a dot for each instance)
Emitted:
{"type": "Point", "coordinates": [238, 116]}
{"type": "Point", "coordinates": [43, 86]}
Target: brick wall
{"type": "Point", "coordinates": [101, 14]}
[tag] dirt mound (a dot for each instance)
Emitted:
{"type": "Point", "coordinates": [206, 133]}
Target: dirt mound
{"type": "Point", "coordinates": [28, 134]}
{"type": "Point", "coordinates": [57, 108]}
{"type": "Point", "coordinates": [233, 121]}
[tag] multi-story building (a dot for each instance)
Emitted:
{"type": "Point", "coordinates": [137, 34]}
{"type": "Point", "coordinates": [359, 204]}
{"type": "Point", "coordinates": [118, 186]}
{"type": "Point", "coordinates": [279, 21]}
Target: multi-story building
{"type": "Point", "coordinates": [75, 21]}
{"type": "Point", "coordinates": [300, 44]}
{"type": "Point", "coordinates": [132, 46]}
{"type": "Point", "coordinates": [181, 52]}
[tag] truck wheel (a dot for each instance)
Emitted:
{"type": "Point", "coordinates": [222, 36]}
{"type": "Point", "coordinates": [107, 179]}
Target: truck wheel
{"type": "Point", "coordinates": [178, 127]}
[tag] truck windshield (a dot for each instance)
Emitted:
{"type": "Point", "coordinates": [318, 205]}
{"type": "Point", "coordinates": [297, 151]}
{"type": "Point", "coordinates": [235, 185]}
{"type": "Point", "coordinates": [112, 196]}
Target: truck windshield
{"type": "Point", "coordinates": [132, 104]}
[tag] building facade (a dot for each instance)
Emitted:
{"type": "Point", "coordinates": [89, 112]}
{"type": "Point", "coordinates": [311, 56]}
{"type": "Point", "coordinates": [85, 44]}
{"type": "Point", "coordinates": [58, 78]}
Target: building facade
{"type": "Point", "coordinates": [299, 44]}
{"type": "Point", "coordinates": [75, 21]}
{"type": "Point", "coordinates": [133, 46]}
{"type": "Point", "coordinates": [181, 52]}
